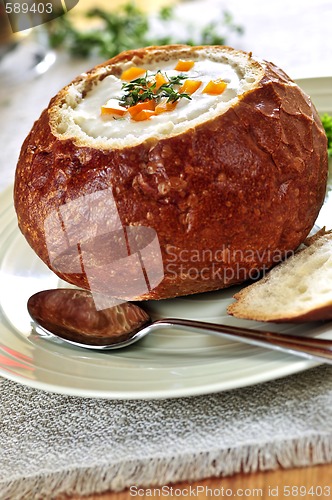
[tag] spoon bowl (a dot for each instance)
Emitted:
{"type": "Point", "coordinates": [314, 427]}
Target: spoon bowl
{"type": "Point", "coordinates": [71, 315]}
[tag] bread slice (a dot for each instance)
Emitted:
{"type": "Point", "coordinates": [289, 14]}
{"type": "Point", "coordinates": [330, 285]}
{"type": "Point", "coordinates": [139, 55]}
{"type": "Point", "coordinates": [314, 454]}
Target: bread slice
{"type": "Point", "coordinates": [299, 289]}
{"type": "Point", "coordinates": [200, 177]}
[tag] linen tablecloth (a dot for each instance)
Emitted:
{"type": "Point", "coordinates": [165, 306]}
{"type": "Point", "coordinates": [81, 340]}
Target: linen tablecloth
{"type": "Point", "coordinates": [52, 444]}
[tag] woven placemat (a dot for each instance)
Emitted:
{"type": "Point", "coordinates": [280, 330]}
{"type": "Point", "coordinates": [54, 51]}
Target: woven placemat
{"type": "Point", "coordinates": [52, 444]}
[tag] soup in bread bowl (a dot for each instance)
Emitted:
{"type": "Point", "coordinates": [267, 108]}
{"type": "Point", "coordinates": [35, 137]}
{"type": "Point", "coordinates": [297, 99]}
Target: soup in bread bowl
{"type": "Point", "coordinates": [219, 155]}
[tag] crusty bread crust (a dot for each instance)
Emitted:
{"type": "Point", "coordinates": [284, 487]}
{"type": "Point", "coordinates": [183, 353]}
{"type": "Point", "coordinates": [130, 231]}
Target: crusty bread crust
{"type": "Point", "coordinates": [238, 192]}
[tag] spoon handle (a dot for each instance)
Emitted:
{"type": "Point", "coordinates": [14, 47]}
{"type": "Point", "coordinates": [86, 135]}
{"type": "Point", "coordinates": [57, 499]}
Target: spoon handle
{"type": "Point", "coordinates": [307, 347]}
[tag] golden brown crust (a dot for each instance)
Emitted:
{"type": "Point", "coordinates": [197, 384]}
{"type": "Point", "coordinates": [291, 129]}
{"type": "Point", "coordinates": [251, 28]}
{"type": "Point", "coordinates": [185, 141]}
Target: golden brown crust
{"type": "Point", "coordinates": [318, 314]}
{"type": "Point", "coordinates": [323, 313]}
{"type": "Point", "coordinates": [238, 192]}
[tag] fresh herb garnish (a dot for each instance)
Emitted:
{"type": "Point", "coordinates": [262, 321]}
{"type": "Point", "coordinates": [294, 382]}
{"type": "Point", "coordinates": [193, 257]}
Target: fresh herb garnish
{"type": "Point", "coordinates": [327, 124]}
{"type": "Point", "coordinates": [144, 89]}
{"type": "Point", "coordinates": [128, 27]}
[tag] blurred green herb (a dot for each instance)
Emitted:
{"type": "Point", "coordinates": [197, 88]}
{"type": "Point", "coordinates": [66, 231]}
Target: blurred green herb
{"type": "Point", "coordinates": [210, 34]}
{"type": "Point", "coordinates": [128, 28]}
{"type": "Point", "coordinates": [166, 13]}
{"type": "Point", "coordinates": [327, 124]}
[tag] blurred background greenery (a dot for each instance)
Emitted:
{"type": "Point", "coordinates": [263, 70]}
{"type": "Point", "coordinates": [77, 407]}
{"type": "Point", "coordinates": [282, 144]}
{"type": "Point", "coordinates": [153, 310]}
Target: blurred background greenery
{"type": "Point", "coordinates": [104, 29]}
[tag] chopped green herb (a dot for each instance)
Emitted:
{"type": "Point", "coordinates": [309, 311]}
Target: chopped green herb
{"type": "Point", "coordinates": [144, 89]}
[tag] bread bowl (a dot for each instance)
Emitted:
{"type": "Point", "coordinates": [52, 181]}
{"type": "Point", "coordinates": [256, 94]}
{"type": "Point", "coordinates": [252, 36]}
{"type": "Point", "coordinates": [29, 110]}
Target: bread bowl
{"type": "Point", "coordinates": [230, 183]}
{"type": "Point", "coordinates": [299, 289]}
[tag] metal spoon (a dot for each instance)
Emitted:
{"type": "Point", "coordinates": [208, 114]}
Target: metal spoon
{"type": "Point", "coordinates": [71, 315]}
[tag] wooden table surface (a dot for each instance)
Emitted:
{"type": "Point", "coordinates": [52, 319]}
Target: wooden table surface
{"type": "Point", "coordinates": [306, 482]}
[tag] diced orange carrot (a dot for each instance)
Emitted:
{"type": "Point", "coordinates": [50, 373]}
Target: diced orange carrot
{"type": "Point", "coordinates": [112, 107]}
{"type": "Point", "coordinates": [137, 108]}
{"type": "Point", "coordinates": [215, 87]}
{"type": "Point", "coordinates": [190, 86]}
{"type": "Point", "coordinates": [160, 80]}
{"type": "Point", "coordinates": [165, 106]}
{"type": "Point", "coordinates": [145, 114]}
{"type": "Point", "coordinates": [112, 111]}
{"type": "Point", "coordinates": [132, 73]}
{"type": "Point", "coordinates": [184, 65]}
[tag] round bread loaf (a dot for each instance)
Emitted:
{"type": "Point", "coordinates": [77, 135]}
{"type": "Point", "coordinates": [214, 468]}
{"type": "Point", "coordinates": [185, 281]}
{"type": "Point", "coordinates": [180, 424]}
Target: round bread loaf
{"type": "Point", "coordinates": [230, 178]}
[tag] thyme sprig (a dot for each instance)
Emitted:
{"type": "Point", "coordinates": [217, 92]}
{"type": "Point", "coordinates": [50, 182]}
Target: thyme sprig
{"type": "Point", "coordinates": [144, 89]}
